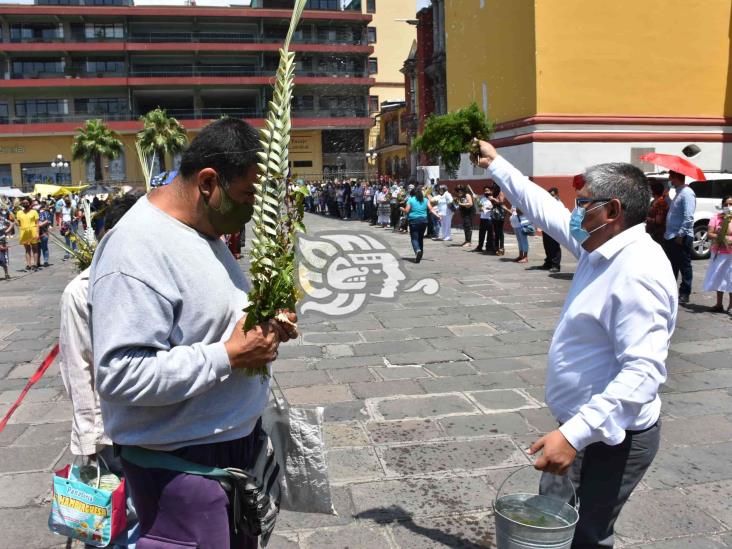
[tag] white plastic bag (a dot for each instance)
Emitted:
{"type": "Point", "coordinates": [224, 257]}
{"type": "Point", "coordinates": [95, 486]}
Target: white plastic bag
{"type": "Point", "coordinates": [299, 444]}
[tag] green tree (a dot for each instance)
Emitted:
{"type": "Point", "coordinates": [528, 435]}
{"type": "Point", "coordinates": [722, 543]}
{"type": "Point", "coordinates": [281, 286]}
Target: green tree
{"type": "Point", "coordinates": [161, 134]}
{"type": "Point", "coordinates": [449, 135]}
{"type": "Point", "coordinates": [94, 142]}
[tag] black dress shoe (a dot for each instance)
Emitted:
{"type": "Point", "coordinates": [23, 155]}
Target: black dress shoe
{"type": "Point", "coordinates": [554, 270]}
{"type": "Point", "coordinates": [683, 299]}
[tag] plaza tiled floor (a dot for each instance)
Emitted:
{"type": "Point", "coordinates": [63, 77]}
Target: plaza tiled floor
{"type": "Point", "coordinates": [430, 402]}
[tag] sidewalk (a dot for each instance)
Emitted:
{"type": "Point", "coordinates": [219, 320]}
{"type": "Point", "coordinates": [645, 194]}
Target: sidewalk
{"type": "Point", "coordinates": [430, 403]}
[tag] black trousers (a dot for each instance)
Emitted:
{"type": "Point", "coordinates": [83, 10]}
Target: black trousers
{"type": "Point", "coordinates": [680, 257]}
{"type": "Point", "coordinates": [485, 234]}
{"type": "Point", "coordinates": [497, 234]}
{"type": "Point", "coordinates": [604, 477]}
{"type": "Point", "coordinates": [468, 227]}
{"type": "Point", "coordinates": [395, 215]}
{"type": "Point", "coordinates": [430, 225]}
{"type": "Point", "coordinates": [553, 251]}
{"type": "Point", "coordinates": [368, 205]}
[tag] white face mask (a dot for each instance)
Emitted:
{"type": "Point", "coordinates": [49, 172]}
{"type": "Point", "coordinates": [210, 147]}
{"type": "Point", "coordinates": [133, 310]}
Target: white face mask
{"type": "Point", "coordinates": [727, 210]}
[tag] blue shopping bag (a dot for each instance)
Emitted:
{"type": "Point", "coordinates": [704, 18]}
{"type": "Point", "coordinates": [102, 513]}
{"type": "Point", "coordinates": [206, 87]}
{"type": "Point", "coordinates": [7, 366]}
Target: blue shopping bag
{"type": "Point", "coordinates": [90, 514]}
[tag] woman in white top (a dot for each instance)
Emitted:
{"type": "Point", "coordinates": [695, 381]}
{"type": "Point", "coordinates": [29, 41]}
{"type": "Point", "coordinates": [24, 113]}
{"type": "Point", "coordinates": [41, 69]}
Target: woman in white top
{"type": "Point", "coordinates": [485, 234]}
{"type": "Point", "coordinates": [444, 209]}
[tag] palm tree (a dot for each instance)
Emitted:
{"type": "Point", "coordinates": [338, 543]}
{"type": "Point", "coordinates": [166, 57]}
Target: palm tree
{"type": "Point", "coordinates": [160, 135]}
{"type": "Point", "coordinates": [94, 142]}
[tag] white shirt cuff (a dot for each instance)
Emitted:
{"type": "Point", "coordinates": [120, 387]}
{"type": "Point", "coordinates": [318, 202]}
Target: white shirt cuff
{"type": "Point", "coordinates": [577, 432]}
{"type": "Point", "coordinates": [219, 360]}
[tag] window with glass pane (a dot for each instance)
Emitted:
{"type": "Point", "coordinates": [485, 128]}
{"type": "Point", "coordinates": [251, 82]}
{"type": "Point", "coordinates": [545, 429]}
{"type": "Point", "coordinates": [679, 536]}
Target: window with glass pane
{"type": "Point", "coordinates": [104, 66]}
{"type": "Point", "coordinates": [4, 113]}
{"type": "Point", "coordinates": [373, 65]}
{"type": "Point", "coordinates": [101, 105]}
{"type": "Point", "coordinates": [372, 34]}
{"type": "Point", "coordinates": [371, 6]}
{"type": "Point", "coordinates": [36, 67]}
{"type": "Point", "coordinates": [322, 5]}
{"type": "Point", "coordinates": [373, 103]}
{"type": "Point", "coordinates": [43, 172]}
{"type": "Point", "coordinates": [6, 175]}
{"type": "Point", "coordinates": [40, 107]}
{"type": "Point", "coordinates": [36, 32]}
{"type": "Point", "coordinates": [303, 103]}
{"type": "Point", "coordinates": [108, 31]}
{"type": "Point", "coordinates": [327, 35]}
{"type": "Point", "coordinates": [343, 141]}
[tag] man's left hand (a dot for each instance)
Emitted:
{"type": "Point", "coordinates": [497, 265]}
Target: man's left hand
{"type": "Point", "coordinates": [557, 456]}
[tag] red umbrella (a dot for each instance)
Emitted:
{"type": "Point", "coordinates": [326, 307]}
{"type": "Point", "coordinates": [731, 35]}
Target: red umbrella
{"type": "Point", "coordinates": [676, 164]}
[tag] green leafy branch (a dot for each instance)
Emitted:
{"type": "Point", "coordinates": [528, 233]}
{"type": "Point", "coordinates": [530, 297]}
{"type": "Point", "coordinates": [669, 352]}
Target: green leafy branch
{"type": "Point", "coordinates": [449, 135]}
{"type": "Point", "coordinates": [278, 208]}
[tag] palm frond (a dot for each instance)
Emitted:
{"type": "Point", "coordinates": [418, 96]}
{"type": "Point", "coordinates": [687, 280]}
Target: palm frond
{"type": "Point", "coordinates": [278, 210]}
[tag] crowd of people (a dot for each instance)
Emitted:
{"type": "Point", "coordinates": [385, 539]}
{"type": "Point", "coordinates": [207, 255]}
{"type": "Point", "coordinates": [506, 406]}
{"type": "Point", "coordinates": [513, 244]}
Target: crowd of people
{"type": "Point", "coordinates": [32, 218]}
{"type": "Point", "coordinates": [427, 211]}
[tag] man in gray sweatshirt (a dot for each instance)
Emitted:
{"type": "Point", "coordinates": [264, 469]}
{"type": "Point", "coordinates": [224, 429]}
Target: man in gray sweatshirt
{"type": "Point", "coordinates": [166, 299]}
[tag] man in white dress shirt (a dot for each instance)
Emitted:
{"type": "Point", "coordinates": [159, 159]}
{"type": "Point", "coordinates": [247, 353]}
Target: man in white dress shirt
{"type": "Point", "coordinates": [607, 357]}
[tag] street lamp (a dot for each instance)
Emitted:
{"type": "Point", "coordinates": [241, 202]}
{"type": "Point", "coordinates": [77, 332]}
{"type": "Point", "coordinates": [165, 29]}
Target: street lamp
{"type": "Point", "coordinates": [60, 163]}
{"type": "Point", "coordinates": [371, 156]}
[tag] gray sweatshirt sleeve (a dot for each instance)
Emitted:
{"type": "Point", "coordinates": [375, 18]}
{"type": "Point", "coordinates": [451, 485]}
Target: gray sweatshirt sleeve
{"type": "Point", "coordinates": [134, 360]}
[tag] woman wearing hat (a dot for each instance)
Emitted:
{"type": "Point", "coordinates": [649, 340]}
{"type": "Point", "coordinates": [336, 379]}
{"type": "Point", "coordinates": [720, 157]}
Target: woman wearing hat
{"type": "Point", "coordinates": [719, 274]}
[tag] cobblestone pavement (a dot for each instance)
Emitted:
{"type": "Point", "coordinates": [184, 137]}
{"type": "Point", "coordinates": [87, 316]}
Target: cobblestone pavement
{"type": "Point", "coordinates": [430, 403]}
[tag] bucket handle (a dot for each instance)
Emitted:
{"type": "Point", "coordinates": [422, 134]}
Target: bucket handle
{"type": "Point", "coordinates": [498, 492]}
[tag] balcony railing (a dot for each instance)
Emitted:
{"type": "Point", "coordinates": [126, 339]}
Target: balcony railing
{"type": "Point", "coordinates": [185, 71]}
{"type": "Point", "coordinates": [45, 37]}
{"type": "Point", "coordinates": [233, 37]}
{"type": "Point", "coordinates": [190, 37]}
{"type": "Point", "coordinates": [206, 113]}
{"type": "Point", "coordinates": [234, 70]}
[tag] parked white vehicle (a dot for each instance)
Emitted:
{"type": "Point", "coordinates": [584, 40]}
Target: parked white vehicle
{"type": "Point", "coordinates": [709, 196]}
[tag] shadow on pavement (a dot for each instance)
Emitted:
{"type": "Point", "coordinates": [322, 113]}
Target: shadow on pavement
{"type": "Point", "coordinates": [696, 308]}
{"type": "Point", "coordinates": [395, 513]}
{"type": "Point", "coordinates": [562, 276]}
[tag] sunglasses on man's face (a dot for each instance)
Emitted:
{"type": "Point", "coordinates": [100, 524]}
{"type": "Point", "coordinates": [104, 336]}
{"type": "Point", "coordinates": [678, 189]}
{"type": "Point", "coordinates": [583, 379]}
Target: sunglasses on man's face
{"type": "Point", "coordinates": [584, 202]}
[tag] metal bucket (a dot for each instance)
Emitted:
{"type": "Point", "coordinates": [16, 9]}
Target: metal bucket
{"type": "Point", "coordinates": [530, 521]}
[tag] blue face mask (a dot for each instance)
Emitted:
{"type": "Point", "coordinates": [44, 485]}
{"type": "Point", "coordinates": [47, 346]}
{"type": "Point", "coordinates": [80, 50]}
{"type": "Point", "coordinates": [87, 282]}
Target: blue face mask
{"type": "Point", "coordinates": [575, 223]}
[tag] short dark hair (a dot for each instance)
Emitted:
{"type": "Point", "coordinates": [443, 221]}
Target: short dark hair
{"type": "Point", "coordinates": [228, 146]}
{"type": "Point", "coordinates": [118, 207]}
{"type": "Point", "coordinates": [554, 190]}
{"type": "Point", "coordinates": [626, 183]}
{"type": "Point", "coordinates": [657, 187]}
{"type": "Point", "coordinates": [678, 175]}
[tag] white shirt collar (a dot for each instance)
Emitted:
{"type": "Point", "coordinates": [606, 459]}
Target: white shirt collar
{"type": "Point", "coordinates": [618, 242]}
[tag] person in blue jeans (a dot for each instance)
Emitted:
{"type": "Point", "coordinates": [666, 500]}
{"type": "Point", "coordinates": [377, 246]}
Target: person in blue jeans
{"type": "Point", "coordinates": [679, 235]}
{"type": "Point", "coordinates": [416, 211]}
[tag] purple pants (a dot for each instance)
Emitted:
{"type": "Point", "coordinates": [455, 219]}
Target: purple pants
{"type": "Point", "coordinates": [178, 510]}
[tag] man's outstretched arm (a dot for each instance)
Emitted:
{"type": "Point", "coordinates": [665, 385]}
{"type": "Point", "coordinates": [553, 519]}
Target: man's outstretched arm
{"type": "Point", "coordinates": [537, 204]}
